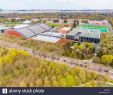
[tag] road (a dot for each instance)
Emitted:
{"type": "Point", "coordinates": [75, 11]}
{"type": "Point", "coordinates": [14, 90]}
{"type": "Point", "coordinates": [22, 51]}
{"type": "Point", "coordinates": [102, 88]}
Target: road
{"type": "Point", "coordinates": [85, 64]}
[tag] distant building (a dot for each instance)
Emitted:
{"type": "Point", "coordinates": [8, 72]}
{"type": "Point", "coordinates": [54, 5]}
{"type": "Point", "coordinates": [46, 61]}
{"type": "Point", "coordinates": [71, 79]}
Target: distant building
{"type": "Point", "coordinates": [20, 26]}
{"type": "Point", "coordinates": [65, 30]}
{"type": "Point", "coordinates": [18, 19]}
{"type": "Point", "coordinates": [27, 22]}
{"type": "Point", "coordinates": [3, 29]}
{"type": "Point", "coordinates": [90, 36]}
{"type": "Point", "coordinates": [2, 17]}
{"type": "Point", "coordinates": [95, 22]}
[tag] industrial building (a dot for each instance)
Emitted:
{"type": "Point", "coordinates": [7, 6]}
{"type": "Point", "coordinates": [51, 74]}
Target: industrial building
{"type": "Point", "coordinates": [90, 36]}
{"type": "Point", "coordinates": [84, 35]}
{"type": "Point", "coordinates": [40, 32]}
{"type": "Point", "coordinates": [29, 31]}
{"type": "Point", "coordinates": [46, 38]}
{"type": "Point", "coordinates": [20, 26]}
{"type": "Point", "coordinates": [89, 32]}
{"type": "Point", "coordinates": [3, 29]}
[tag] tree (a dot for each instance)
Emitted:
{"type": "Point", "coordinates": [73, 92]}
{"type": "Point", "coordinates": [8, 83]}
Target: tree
{"type": "Point", "coordinates": [48, 74]}
{"type": "Point", "coordinates": [77, 80]}
{"type": "Point", "coordinates": [74, 24]}
{"type": "Point", "coordinates": [96, 59]}
{"type": "Point", "coordinates": [62, 82]}
{"type": "Point", "coordinates": [82, 76]}
{"type": "Point", "coordinates": [39, 83]}
{"type": "Point", "coordinates": [70, 80]}
{"type": "Point", "coordinates": [65, 21]}
{"type": "Point", "coordinates": [91, 84]}
{"type": "Point", "coordinates": [67, 50]}
{"type": "Point", "coordinates": [47, 82]}
{"type": "Point", "coordinates": [107, 59]}
{"type": "Point", "coordinates": [54, 81]}
{"type": "Point", "coordinates": [84, 50]}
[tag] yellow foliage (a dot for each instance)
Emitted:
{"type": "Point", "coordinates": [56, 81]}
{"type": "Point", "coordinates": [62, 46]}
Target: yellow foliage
{"type": "Point", "coordinates": [12, 55]}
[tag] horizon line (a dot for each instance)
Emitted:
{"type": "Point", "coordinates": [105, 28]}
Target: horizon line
{"type": "Point", "coordinates": [54, 9]}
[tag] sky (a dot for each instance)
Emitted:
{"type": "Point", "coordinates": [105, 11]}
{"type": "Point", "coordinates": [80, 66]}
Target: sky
{"type": "Point", "coordinates": [56, 4]}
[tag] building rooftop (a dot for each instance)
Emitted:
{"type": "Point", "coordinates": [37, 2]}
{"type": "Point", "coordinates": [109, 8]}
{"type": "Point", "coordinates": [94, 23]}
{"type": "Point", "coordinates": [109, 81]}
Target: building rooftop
{"type": "Point", "coordinates": [46, 38]}
{"type": "Point", "coordinates": [65, 29]}
{"type": "Point", "coordinates": [52, 34]}
{"type": "Point", "coordinates": [90, 34]}
{"type": "Point", "coordinates": [20, 26]}
{"type": "Point", "coordinates": [27, 22]}
{"type": "Point", "coordinates": [76, 32]}
{"type": "Point", "coordinates": [30, 31]}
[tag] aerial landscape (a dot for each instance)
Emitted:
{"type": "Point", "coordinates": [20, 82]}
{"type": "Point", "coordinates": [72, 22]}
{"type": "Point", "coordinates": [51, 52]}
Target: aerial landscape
{"type": "Point", "coordinates": [56, 46]}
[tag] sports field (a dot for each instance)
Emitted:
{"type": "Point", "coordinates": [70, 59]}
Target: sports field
{"type": "Point", "coordinates": [94, 28]}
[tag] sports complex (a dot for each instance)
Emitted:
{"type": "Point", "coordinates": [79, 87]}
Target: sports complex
{"type": "Point", "coordinates": [88, 32]}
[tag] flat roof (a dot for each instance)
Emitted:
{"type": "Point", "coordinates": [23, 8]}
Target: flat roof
{"type": "Point", "coordinates": [73, 32]}
{"type": "Point", "coordinates": [66, 28]}
{"type": "Point", "coordinates": [4, 28]}
{"type": "Point", "coordinates": [76, 32]}
{"type": "Point", "coordinates": [90, 34]}
{"type": "Point", "coordinates": [20, 26]}
{"type": "Point", "coordinates": [53, 34]}
{"type": "Point", "coordinates": [46, 38]}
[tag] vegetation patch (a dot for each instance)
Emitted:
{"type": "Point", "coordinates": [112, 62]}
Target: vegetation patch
{"type": "Point", "coordinates": [18, 69]}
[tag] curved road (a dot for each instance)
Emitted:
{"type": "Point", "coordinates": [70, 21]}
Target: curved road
{"type": "Point", "coordinates": [86, 64]}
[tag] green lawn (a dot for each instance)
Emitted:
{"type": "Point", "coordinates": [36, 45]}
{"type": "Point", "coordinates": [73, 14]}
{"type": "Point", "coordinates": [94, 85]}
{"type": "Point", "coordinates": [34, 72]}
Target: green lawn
{"type": "Point", "coordinates": [12, 23]}
{"type": "Point", "coordinates": [54, 24]}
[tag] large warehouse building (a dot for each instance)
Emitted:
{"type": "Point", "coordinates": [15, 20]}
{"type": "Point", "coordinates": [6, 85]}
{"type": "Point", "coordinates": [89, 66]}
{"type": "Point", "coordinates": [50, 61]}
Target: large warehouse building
{"type": "Point", "coordinates": [37, 32]}
{"type": "Point", "coordinates": [29, 31]}
{"type": "Point", "coordinates": [88, 32]}
{"type": "Point", "coordinates": [84, 35]}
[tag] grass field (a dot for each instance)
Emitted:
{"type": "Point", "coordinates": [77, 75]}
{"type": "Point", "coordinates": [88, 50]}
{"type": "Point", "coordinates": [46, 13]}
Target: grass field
{"type": "Point", "coordinates": [94, 28]}
{"type": "Point", "coordinates": [9, 24]}
{"type": "Point", "coordinates": [54, 25]}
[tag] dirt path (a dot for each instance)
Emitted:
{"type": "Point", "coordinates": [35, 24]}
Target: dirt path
{"type": "Point", "coordinates": [86, 64]}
